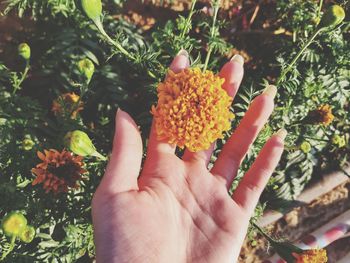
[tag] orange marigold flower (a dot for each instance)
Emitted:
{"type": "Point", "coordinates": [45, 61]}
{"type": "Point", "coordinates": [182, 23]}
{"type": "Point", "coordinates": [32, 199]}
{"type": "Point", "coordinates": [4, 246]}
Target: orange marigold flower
{"type": "Point", "coordinates": [67, 104]}
{"type": "Point", "coordinates": [312, 256]}
{"type": "Point", "coordinates": [193, 109]}
{"type": "Point", "coordinates": [323, 115]}
{"type": "Point", "coordinates": [58, 170]}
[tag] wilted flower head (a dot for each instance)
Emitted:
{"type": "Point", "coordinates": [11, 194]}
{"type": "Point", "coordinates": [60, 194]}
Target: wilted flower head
{"type": "Point", "coordinates": [58, 170]}
{"type": "Point", "coordinates": [333, 16]}
{"type": "Point", "coordinates": [67, 104]}
{"type": "Point", "coordinates": [323, 115]}
{"type": "Point", "coordinates": [24, 51]}
{"type": "Point", "coordinates": [13, 224]}
{"type": "Point", "coordinates": [193, 109]}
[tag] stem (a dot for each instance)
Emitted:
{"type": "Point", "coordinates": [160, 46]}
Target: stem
{"type": "Point", "coordinates": [12, 245]}
{"type": "Point", "coordinates": [24, 74]}
{"type": "Point", "coordinates": [99, 156]}
{"type": "Point", "coordinates": [188, 20]}
{"type": "Point", "coordinates": [319, 8]}
{"type": "Point", "coordinates": [111, 41]}
{"type": "Point", "coordinates": [301, 51]}
{"type": "Point", "coordinates": [262, 232]}
{"type": "Point", "coordinates": [212, 33]}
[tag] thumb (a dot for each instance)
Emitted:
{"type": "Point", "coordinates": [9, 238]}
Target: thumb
{"type": "Point", "coordinates": [125, 162]}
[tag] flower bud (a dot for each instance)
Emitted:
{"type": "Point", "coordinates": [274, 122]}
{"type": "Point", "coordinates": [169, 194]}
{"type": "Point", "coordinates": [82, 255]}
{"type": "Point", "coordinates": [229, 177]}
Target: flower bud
{"type": "Point", "coordinates": [305, 147]}
{"type": "Point", "coordinates": [339, 140]}
{"type": "Point", "coordinates": [13, 224]}
{"type": "Point", "coordinates": [333, 16]}
{"type": "Point", "coordinates": [28, 234]}
{"type": "Point", "coordinates": [86, 68]}
{"type": "Point", "coordinates": [92, 8]}
{"type": "Point", "coordinates": [27, 144]}
{"type": "Point", "coordinates": [80, 143]}
{"type": "Point", "coordinates": [24, 51]}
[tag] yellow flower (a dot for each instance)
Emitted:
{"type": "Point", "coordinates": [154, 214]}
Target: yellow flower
{"type": "Point", "coordinates": [323, 115]}
{"type": "Point", "coordinates": [312, 256]}
{"type": "Point", "coordinates": [193, 109]}
{"type": "Point", "coordinates": [58, 170]}
{"type": "Point", "coordinates": [14, 223]}
{"type": "Point", "coordinates": [67, 104]}
{"type": "Point", "coordinates": [338, 140]}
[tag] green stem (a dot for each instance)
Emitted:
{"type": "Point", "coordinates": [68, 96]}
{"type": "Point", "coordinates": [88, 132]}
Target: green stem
{"type": "Point", "coordinates": [8, 251]}
{"type": "Point", "coordinates": [212, 34]}
{"type": "Point", "coordinates": [99, 156]}
{"type": "Point", "coordinates": [319, 8]}
{"type": "Point", "coordinates": [262, 232]}
{"type": "Point", "coordinates": [111, 41]}
{"type": "Point", "coordinates": [24, 74]}
{"type": "Point", "coordinates": [188, 20]}
{"type": "Point", "coordinates": [295, 59]}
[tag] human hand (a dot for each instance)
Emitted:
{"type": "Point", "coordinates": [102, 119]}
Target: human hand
{"type": "Point", "coordinates": [177, 210]}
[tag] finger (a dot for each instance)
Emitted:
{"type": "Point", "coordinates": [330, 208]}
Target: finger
{"type": "Point", "coordinates": [125, 161]}
{"type": "Point", "coordinates": [155, 146]}
{"type": "Point", "coordinates": [238, 145]}
{"type": "Point", "coordinates": [232, 72]}
{"type": "Point", "coordinates": [253, 183]}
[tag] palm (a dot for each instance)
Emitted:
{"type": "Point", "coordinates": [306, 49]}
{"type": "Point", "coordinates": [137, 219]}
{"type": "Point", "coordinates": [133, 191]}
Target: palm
{"type": "Point", "coordinates": [177, 210]}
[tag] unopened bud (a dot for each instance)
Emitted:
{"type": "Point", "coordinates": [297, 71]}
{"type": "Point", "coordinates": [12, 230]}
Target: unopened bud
{"type": "Point", "coordinates": [80, 143]}
{"type": "Point", "coordinates": [28, 234]}
{"type": "Point", "coordinates": [333, 16]}
{"type": "Point", "coordinates": [27, 144]}
{"type": "Point", "coordinates": [24, 51]}
{"type": "Point", "coordinates": [92, 8]}
{"type": "Point", "coordinates": [13, 224]}
{"type": "Point", "coordinates": [86, 68]}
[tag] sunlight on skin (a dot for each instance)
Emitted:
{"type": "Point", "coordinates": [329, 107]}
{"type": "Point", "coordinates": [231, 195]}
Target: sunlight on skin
{"type": "Point", "coordinates": [177, 210]}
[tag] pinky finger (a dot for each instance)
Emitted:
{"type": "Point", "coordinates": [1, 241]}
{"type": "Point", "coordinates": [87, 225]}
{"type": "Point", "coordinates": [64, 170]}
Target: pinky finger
{"type": "Point", "coordinates": [253, 183]}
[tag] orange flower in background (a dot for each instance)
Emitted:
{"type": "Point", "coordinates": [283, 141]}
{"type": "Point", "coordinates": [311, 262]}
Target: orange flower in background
{"type": "Point", "coordinates": [58, 170]}
{"type": "Point", "coordinates": [193, 109]}
{"type": "Point", "coordinates": [323, 115]}
{"type": "Point", "coordinates": [312, 256]}
{"type": "Point", "coordinates": [67, 104]}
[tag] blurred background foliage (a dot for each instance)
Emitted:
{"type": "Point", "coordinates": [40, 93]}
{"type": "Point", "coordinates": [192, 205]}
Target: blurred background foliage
{"type": "Point", "coordinates": [266, 33]}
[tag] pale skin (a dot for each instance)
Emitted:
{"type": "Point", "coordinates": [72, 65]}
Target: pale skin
{"type": "Point", "coordinates": [175, 209]}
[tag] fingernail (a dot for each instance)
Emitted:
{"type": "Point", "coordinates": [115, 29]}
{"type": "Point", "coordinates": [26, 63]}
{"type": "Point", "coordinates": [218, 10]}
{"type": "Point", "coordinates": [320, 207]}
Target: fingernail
{"type": "Point", "coordinates": [182, 52]}
{"type": "Point", "coordinates": [281, 133]}
{"type": "Point", "coordinates": [238, 58]}
{"type": "Point", "coordinates": [270, 90]}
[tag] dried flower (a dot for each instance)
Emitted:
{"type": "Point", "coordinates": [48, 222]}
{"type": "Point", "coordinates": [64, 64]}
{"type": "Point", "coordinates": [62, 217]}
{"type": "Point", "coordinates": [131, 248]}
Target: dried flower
{"type": "Point", "coordinates": [86, 68]}
{"type": "Point", "coordinates": [305, 147]}
{"type": "Point", "coordinates": [13, 224]}
{"type": "Point", "coordinates": [24, 51]}
{"type": "Point", "coordinates": [333, 16]}
{"type": "Point", "coordinates": [80, 143]}
{"type": "Point", "coordinates": [28, 234]}
{"type": "Point", "coordinates": [67, 104]}
{"type": "Point", "coordinates": [323, 115]}
{"type": "Point", "coordinates": [193, 109]}
{"type": "Point", "coordinates": [92, 8]}
{"type": "Point", "coordinates": [58, 170]}
{"type": "Point", "coordinates": [339, 140]}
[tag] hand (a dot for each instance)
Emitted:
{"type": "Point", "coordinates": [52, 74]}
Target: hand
{"type": "Point", "coordinates": [177, 210]}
